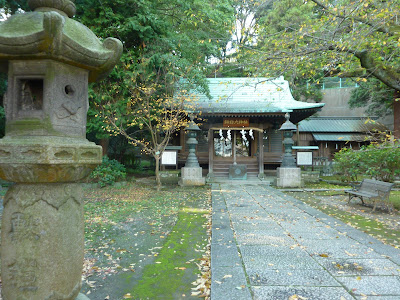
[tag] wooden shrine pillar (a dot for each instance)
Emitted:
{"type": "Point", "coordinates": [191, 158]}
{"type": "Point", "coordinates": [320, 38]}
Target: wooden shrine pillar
{"type": "Point", "coordinates": [261, 153]}
{"type": "Point", "coordinates": [210, 150]}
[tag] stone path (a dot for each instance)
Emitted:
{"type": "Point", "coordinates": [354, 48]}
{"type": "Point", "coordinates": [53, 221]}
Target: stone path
{"type": "Point", "coordinates": [268, 245]}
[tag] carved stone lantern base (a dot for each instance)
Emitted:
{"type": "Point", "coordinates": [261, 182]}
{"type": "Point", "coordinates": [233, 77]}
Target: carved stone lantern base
{"type": "Point", "coordinates": [42, 241]}
{"type": "Point", "coordinates": [289, 177]}
{"type": "Point", "coordinates": [192, 176]}
{"type": "Point", "coordinates": [43, 225]}
{"type": "Point", "coordinates": [47, 159]}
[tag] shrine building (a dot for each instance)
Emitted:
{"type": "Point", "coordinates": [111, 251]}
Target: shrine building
{"type": "Point", "coordinates": [240, 124]}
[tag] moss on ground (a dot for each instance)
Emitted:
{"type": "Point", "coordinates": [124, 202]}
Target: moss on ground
{"type": "Point", "coordinates": [173, 270]}
{"type": "Point", "coordinates": [142, 243]}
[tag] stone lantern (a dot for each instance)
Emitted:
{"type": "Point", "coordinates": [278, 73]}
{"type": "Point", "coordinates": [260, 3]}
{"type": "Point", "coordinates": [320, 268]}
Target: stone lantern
{"type": "Point", "coordinates": [192, 129]}
{"type": "Point", "coordinates": [288, 175]}
{"type": "Point", "coordinates": [288, 128]}
{"type": "Point", "coordinates": [191, 173]}
{"type": "Point", "coordinates": [49, 58]}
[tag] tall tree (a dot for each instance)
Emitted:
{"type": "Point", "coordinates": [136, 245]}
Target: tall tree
{"type": "Point", "coordinates": [343, 37]}
{"type": "Point", "coordinates": [157, 34]}
{"type": "Point", "coordinates": [374, 95]}
{"type": "Point", "coordinates": [244, 34]}
{"type": "Point", "coordinates": [158, 106]}
{"type": "Point", "coordinates": [162, 39]}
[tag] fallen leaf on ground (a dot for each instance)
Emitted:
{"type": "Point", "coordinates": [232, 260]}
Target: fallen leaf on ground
{"type": "Point", "coordinates": [297, 297]}
{"type": "Point", "coordinates": [350, 254]}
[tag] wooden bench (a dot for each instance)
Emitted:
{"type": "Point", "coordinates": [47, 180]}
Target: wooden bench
{"type": "Point", "coordinates": [371, 189]}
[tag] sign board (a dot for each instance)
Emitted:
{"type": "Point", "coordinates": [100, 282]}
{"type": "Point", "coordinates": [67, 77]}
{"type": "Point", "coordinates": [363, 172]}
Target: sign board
{"type": "Point", "coordinates": [236, 122]}
{"type": "Point", "coordinates": [168, 158]}
{"type": "Point", "coordinates": [304, 158]}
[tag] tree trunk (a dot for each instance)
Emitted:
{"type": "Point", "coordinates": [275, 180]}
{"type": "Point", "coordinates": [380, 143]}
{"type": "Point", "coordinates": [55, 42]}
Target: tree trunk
{"type": "Point", "coordinates": [104, 144]}
{"type": "Point", "coordinates": [158, 178]}
{"type": "Point", "coordinates": [396, 115]}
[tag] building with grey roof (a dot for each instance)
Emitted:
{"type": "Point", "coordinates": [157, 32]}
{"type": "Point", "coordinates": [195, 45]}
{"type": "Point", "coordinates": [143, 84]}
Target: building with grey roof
{"type": "Point", "coordinates": [331, 134]}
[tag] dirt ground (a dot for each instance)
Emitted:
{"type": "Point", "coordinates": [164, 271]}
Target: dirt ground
{"type": "Point", "coordinates": [390, 219]}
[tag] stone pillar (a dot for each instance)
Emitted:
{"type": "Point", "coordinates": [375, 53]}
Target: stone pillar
{"type": "Point", "coordinates": [49, 59]}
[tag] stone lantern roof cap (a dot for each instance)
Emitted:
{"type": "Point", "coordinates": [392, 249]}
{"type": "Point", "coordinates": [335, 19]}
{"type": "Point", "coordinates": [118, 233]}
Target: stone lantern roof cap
{"type": "Point", "coordinates": [49, 33]}
{"type": "Point", "coordinates": [192, 126]}
{"type": "Point", "coordinates": [288, 126]}
{"type": "Point", "coordinates": [65, 6]}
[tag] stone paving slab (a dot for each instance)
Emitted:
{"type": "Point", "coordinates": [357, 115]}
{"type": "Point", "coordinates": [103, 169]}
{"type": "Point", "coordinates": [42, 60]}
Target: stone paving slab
{"type": "Point", "coordinates": [377, 297]}
{"type": "Point", "coordinates": [266, 225]}
{"type": "Point", "coordinates": [360, 267]}
{"type": "Point", "coordinates": [222, 236]}
{"type": "Point", "coordinates": [309, 293]}
{"type": "Point", "coordinates": [269, 245]}
{"type": "Point", "coordinates": [291, 277]}
{"type": "Point", "coordinates": [272, 251]}
{"type": "Point", "coordinates": [304, 262]}
{"type": "Point", "coordinates": [372, 285]}
{"type": "Point", "coordinates": [334, 250]}
{"type": "Point", "coordinates": [300, 225]}
{"type": "Point", "coordinates": [303, 234]}
{"type": "Point", "coordinates": [225, 255]}
{"type": "Point", "coordinates": [229, 283]}
{"type": "Point", "coordinates": [250, 216]}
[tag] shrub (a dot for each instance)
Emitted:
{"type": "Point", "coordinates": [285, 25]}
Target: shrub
{"type": "Point", "coordinates": [381, 161]}
{"type": "Point", "coordinates": [108, 172]}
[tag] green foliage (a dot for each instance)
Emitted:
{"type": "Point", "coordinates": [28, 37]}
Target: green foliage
{"type": "Point", "coordinates": [12, 6]}
{"type": "Point", "coordinates": [380, 161]}
{"type": "Point", "coordinates": [347, 164]}
{"type": "Point", "coordinates": [108, 172]}
{"type": "Point", "coordinates": [304, 92]}
{"type": "Point", "coordinates": [376, 96]}
{"type": "Point", "coordinates": [317, 38]}
{"type": "Point", "coordinates": [175, 36]}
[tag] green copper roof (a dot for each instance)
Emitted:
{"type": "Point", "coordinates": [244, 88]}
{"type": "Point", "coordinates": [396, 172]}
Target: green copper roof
{"type": "Point", "coordinates": [251, 95]}
{"type": "Point", "coordinates": [340, 137]}
{"type": "Point", "coordinates": [339, 125]}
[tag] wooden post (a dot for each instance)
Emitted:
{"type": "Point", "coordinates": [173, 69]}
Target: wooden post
{"type": "Point", "coordinates": [234, 146]}
{"type": "Point", "coordinates": [182, 140]}
{"type": "Point", "coordinates": [396, 115]}
{"type": "Point", "coordinates": [261, 153]}
{"type": "Point", "coordinates": [210, 150]}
